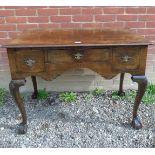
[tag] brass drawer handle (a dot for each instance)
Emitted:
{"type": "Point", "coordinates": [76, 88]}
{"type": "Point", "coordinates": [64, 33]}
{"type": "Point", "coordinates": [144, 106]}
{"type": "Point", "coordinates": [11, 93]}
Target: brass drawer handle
{"type": "Point", "coordinates": [78, 56]}
{"type": "Point", "coordinates": [126, 58]}
{"type": "Point", "coordinates": [29, 62]}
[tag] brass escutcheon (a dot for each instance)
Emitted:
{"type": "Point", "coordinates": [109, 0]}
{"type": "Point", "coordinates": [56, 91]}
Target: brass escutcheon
{"type": "Point", "coordinates": [29, 62]}
{"type": "Point", "coordinates": [78, 56]}
{"type": "Point", "coordinates": [126, 58]}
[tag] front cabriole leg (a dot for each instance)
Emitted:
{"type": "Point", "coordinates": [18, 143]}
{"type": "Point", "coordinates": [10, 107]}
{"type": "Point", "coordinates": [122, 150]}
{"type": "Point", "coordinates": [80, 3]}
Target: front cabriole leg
{"type": "Point", "coordinates": [142, 84]}
{"type": "Point", "coordinates": [14, 90]}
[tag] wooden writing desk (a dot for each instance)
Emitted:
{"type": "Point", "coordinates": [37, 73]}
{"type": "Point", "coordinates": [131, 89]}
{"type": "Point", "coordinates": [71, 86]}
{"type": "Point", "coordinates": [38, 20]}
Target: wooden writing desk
{"type": "Point", "coordinates": [48, 53]}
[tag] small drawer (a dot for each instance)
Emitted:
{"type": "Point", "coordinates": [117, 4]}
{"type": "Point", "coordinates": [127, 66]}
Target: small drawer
{"type": "Point", "coordinates": [126, 58]}
{"type": "Point", "coordinates": [30, 61]}
{"type": "Point", "coordinates": [79, 55]}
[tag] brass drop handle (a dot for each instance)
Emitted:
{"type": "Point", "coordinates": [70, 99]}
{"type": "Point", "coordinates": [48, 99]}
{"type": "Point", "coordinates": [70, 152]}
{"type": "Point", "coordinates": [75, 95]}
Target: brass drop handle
{"type": "Point", "coordinates": [29, 62]}
{"type": "Point", "coordinates": [126, 58]}
{"type": "Point", "coordinates": [78, 56]}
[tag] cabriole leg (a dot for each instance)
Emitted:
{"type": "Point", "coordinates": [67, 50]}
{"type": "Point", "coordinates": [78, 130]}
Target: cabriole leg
{"type": "Point", "coordinates": [14, 90]}
{"type": "Point", "coordinates": [142, 84]}
{"type": "Point", "coordinates": [35, 93]}
{"type": "Point", "coordinates": [121, 92]}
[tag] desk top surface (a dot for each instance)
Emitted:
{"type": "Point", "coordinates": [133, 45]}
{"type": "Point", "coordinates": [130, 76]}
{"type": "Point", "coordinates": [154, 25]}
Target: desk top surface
{"type": "Point", "coordinates": [76, 37]}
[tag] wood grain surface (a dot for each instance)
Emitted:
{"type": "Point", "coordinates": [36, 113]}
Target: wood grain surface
{"type": "Point", "coordinates": [76, 37]}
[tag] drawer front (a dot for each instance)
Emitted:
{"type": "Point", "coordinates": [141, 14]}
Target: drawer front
{"type": "Point", "coordinates": [126, 58]}
{"type": "Point", "coordinates": [79, 55]}
{"type": "Point", "coordinates": [60, 56]}
{"type": "Point", "coordinates": [98, 55]}
{"type": "Point", "coordinates": [30, 61]}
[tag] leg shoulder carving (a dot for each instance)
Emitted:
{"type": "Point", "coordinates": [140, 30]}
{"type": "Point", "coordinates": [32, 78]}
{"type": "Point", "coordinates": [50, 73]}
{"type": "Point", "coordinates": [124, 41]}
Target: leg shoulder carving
{"type": "Point", "coordinates": [16, 84]}
{"type": "Point", "coordinates": [139, 79]}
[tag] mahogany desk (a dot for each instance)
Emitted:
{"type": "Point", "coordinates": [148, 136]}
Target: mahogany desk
{"type": "Point", "coordinates": [48, 53]}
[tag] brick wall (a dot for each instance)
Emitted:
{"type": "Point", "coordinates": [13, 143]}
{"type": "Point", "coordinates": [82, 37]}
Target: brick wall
{"type": "Point", "coordinates": [14, 20]}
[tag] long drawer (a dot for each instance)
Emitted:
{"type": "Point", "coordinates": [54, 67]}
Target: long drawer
{"type": "Point", "coordinates": [79, 55]}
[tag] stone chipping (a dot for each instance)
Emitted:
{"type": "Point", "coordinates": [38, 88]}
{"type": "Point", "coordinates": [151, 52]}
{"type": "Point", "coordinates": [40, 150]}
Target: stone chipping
{"type": "Point", "coordinates": [94, 122]}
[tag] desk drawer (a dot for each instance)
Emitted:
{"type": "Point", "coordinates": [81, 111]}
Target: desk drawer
{"type": "Point", "coordinates": [126, 58]}
{"type": "Point", "coordinates": [79, 55]}
{"type": "Point", "coordinates": [30, 61]}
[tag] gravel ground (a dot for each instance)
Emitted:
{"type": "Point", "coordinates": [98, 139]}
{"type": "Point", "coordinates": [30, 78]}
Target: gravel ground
{"type": "Point", "coordinates": [89, 123]}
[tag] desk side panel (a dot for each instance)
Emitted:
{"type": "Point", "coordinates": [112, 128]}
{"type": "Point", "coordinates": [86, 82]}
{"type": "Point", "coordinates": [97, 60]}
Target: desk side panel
{"type": "Point", "coordinates": [12, 62]}
{"type": "Point", "coordinates": [143, 59]}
